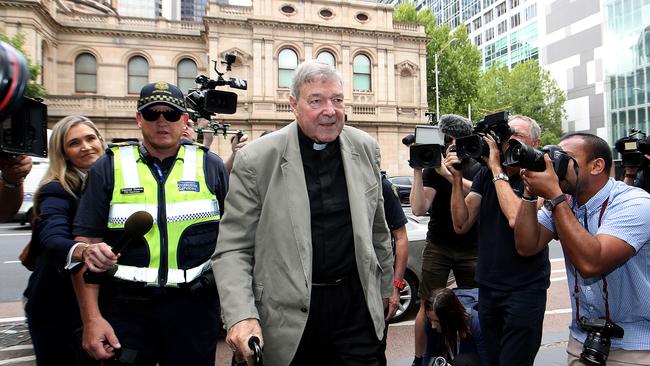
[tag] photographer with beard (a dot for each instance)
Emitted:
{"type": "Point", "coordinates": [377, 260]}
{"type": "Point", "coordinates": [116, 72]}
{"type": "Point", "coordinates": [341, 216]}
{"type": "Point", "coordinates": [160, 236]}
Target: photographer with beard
{"type": "Point", "coordinates": [603, 229]}
{"type": "Point", "coordinates": [445, 250]}
{"type": "Point", "coordinates": [512, 287]}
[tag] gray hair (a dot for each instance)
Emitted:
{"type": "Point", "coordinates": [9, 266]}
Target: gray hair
{"type": "Point", "coordinates": [312, 70]}
{"type": "Point", "coordinates": [535, 130]}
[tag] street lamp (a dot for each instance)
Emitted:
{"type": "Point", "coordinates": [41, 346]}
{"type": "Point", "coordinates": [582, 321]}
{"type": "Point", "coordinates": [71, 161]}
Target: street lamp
{"type": "Point", "coordinates": [435, 59]}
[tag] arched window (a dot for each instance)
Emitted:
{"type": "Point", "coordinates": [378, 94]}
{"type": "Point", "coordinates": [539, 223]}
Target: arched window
{"type": "Point", "coordinates": [327, 58]}
{"type": "Point", "coordinates": [85, 73]}
{"type": "Point", "coordinates": [186, 72]}
{"type": "Point", "coordinates": [287, 63]}
{"type": "Point", "coordinates": [361, 71]}
{"type": "Point", "coordinates": [138, 74]}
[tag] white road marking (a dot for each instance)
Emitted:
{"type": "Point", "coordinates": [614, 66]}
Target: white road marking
{"type": "Point", "coordinates": [17, 360]}
{"type": "Point", "coordinates": [17, 234]}
{"type": "Point", "coordinates": [10, 262]}
{"type": "Point", "coordinates": [558, 311]}
{"type": "Point", "coordinates": [17, 348]}
{"type": "Point", "coordinates": [11, 320]}
{"type": "Point", "coordinates": [558, 279]}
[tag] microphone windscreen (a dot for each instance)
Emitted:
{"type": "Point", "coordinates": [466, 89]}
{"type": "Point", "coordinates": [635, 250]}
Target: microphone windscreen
{"type": "Point", "coordinates": [138, 224]}
{"type": "Point", "coordinates": [455, 126]}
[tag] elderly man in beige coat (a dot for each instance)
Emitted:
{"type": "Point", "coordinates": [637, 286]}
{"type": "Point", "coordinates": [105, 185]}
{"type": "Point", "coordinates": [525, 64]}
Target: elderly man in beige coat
{"type": "Point", "coordinates": [304, 260]}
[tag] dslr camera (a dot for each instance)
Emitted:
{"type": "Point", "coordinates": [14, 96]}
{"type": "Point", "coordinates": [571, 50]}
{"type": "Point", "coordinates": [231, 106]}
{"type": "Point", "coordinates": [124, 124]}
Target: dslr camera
{"type": "Point", "coordinates": [599, 333]}
{"type": "Point", "coordinates": [23, 120]}
{"type": "Point", "coordinates": [426, 145]}
{"type": "Point", "coordinates": [206, 100]}
{"type": "Point", "coordinates": [473, 146]}
{"type": "Point", "coordinates": [521, 155]}
{"type": "Point", "coordinates": [632, 148]}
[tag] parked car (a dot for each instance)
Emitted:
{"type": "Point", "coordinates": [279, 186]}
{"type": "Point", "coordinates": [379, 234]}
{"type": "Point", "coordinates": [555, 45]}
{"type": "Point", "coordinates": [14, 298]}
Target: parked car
{"type": "Point", "coordinates": [403, 185]}
{"type": "Point", "coordinates": [416, 228]}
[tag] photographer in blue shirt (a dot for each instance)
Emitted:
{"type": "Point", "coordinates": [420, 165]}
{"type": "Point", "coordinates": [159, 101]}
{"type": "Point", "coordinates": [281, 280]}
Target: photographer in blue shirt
{"type": "Point", "coordinates": [604, 234]}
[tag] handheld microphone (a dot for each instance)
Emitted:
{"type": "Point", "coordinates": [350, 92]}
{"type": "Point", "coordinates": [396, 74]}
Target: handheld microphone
{"type": "Point", "coordinates": [135, 227]}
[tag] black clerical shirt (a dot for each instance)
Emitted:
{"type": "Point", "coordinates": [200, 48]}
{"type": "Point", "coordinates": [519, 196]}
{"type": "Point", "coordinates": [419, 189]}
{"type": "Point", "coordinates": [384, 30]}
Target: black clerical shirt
{"type": "Point", "coordinates": [331, 224]}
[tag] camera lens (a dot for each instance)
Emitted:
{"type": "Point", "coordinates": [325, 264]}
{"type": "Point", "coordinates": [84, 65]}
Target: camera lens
{"type": "Point", "coordinates": [13, 79]}
{"type": "Point", "coordinates": [596, 348]}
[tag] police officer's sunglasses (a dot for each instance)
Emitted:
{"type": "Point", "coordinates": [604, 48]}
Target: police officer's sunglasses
{"type": "Point", "coordinates": [171, 115]}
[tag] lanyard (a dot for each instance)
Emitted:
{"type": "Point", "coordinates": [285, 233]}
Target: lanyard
{"type": "Point", "coordinates": [576, 288]}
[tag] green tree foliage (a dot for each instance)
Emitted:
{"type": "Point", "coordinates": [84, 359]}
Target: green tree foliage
{"type": "Point", "coordinates": [527, 89]}
{"type": "Point", "coordinates": [34, 89]}
{"type": "Point", "coordinates": [458, 64]}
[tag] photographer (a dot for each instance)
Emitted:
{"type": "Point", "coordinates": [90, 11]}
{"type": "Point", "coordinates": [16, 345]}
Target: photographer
{"type": "Point", "coordinates": [512, 287]}
{"type": "Point", "coordinates": [637, 177]}
{"type": "Point", "coordinates": [13, 173]}
{"type": "Point", "coordinates": [604, 234]}
{"type": "Point", "coordinates": [445, 250]}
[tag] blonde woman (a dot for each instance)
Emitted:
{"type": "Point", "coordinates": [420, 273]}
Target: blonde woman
{"type": "Point", "coordinates": [52, 311]}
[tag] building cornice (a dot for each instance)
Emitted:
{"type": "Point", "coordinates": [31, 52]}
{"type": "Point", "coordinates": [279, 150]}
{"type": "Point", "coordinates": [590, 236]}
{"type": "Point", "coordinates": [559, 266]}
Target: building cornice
{"type": "Point", "coordinates": [252, 23]}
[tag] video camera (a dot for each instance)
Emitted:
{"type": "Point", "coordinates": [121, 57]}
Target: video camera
{"type": "Point", "coordinates": [521, 155]}
{"type": "Point", "coordinates": [206, 101]}
{"type": "Point", "coordinates": [426, 145]}
{"type": "Point", "coordinates": [23, 120]}
{"type": "Point", "coordinates": [473, 146]}
{"type": "Point", "coordinates": [632, 148]}
{"type": "Point", "coordinates": [599, 333]}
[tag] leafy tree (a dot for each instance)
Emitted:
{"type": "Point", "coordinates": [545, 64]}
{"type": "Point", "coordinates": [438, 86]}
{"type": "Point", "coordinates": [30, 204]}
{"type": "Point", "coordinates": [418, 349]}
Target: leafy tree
{"type": "Point", "coordinates": [527, 89]}
{"type": "Point", "coordinates": [458, 64]}
{"type": "Point", "coordinates": [34, 89]}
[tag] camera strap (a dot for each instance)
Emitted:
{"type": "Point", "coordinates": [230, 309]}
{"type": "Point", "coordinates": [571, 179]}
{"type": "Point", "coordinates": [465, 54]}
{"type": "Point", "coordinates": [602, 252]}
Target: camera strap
{"type": "Point", "coordinates": [576, 288]}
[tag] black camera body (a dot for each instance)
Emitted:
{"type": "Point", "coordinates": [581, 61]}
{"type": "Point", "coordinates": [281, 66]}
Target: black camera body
{"type": "Point", "coordinates": [527, 157]}
{"type": "Point", "coordinates": [23, 120]}
{"type": "Point", "coordinates": [426, 146]}
{"type": "Point", "coordinates": [632, 148]}
{"type": "Point", "coordinates": [473, 146]}
{"type": "Point", "coordinates": [599, 333]}
{"type": "Point", "coordinates": [206, 101]}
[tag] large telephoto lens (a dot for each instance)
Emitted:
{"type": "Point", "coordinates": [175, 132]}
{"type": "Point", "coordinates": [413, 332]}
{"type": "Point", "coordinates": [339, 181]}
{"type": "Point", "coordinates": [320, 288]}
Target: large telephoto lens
{"type": "Point", "coordinates": [521, 155]}
{"type": "Point", "coordinates": [471, 146]}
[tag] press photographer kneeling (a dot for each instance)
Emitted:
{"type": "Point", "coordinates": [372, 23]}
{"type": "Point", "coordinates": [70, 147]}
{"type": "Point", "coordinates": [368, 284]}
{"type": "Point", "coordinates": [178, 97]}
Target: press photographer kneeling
{"type": "Point", "coordinates": [603, 229]}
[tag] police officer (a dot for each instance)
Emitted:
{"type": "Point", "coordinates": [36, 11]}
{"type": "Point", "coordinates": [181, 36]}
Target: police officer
{"type": "Point", "coordinates": [159, 306]}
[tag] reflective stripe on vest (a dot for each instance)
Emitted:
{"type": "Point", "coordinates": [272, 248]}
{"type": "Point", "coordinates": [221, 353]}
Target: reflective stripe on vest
{"type": "Point", "coordinates": [150, 275]}
{"type": "Point", "coordinates": [188, 201]}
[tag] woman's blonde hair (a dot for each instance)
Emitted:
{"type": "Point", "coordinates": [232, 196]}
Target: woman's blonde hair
{"type": "Point", "coordinates": [60, 169]}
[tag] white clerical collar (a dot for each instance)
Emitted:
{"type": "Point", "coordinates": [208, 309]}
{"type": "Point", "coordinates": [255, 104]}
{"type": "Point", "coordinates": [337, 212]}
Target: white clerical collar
{"type": "Point", "coordinates": [319, 147]}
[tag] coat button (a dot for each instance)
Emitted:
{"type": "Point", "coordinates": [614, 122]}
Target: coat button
{"type": "Point", "coordinates": [303, 309]}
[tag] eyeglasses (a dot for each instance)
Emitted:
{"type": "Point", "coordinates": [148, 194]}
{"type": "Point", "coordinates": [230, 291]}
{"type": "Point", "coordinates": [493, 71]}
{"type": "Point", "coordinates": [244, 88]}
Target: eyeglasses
{"type": "Point", "coordinates": [152, 115]}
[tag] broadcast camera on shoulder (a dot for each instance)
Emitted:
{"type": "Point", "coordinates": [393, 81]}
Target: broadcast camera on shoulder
{"type": "Point", "coordinates": [23, 120]}
{"type": "Point", "coordinates": [206, 101]}
{"type": "Point", "coordinates": [473, 146]}
{"type": "Point", "coordinates": [426, 145]}
{"type": "Point", "coordinates": [632, 148]}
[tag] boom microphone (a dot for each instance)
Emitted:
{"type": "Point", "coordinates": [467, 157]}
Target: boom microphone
{"type": "Point", "coordinates": [135, 227]}
{"type": "Point", "coordinates": [455, 126]}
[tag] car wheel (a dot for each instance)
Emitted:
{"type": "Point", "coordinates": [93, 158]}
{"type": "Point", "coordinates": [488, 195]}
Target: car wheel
{"type": "Point", "coordinates": [407, 298]}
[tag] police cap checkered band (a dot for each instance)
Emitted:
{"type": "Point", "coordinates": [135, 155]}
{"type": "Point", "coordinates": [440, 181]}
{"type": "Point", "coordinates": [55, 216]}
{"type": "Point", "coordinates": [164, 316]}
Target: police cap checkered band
{"type": "Point", "coordinates": [161, 93]}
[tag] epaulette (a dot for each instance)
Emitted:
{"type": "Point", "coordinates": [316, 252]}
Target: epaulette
{"type": "Point", "coordinates": [203, 147]}
{"type": "Point", "coordinates": [113, 145]}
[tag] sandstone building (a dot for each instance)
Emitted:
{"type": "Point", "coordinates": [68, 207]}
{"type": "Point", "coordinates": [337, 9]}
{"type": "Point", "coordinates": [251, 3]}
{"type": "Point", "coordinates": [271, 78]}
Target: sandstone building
{"type": "Point", "coordinates": [94, 61]}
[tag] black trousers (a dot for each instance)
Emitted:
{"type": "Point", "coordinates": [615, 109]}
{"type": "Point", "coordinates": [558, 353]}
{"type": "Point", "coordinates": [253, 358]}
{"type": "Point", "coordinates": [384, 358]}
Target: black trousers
{"type": "Point", "coordinates": [339, 329]}
{"type": "Point", "coordinates": [173, 328]}
{"type": "Point", "coordinates": [511, 324]}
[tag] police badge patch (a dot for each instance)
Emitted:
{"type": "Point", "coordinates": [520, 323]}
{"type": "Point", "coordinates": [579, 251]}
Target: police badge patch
{"type": "Point", "coordinates": [188, 186]}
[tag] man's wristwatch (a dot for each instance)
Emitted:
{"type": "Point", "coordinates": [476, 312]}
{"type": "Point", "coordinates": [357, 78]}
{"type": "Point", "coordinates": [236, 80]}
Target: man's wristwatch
{"type": "Point", "coordinates": [399, 284]}
{"type": "Point", "coordinates": [500, 176]}
{"type": "Point", "coordinates": [551, 204]}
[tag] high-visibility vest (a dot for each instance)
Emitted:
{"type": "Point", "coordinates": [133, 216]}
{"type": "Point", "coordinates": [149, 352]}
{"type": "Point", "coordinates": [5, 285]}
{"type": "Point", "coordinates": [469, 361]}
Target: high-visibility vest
{"type": "Point", "coordinates": [175, 203]}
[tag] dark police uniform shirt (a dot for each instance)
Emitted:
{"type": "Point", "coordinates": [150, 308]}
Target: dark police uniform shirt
{"type": "Point", "coordinates": [499, 265]}
{"type": "Point", "coordinates": [395, 217]}
{"type": "Point", "coordinates": [331, 224]}
{"type": "Point", "coordinates": [92, 216]}
{"type": "Point", "coordinates": [441, 227]}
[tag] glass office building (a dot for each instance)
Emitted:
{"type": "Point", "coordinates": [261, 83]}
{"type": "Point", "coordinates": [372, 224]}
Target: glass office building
{"type": "Point", "coordinates": [627, 65]}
